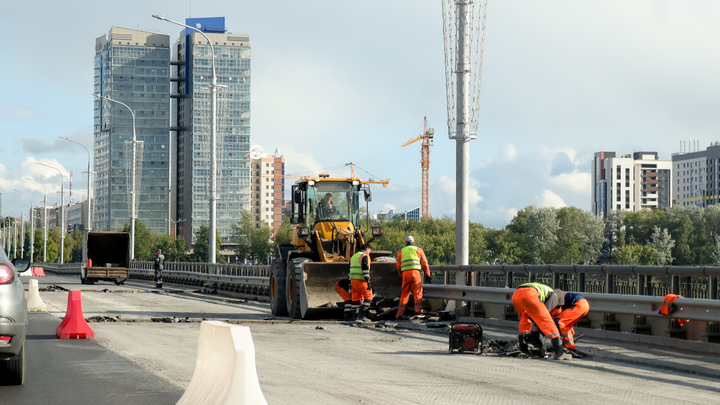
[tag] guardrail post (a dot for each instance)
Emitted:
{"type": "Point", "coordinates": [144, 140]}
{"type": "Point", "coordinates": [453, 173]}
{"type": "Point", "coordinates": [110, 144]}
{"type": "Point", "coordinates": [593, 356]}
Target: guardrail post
{"type": "Point", "coordinates": [640, 285]}
{"type": "Point", "coordinates": [581, 282]}
{"type": "Point", "coordinates": [713, 288]}
{"type": "Point", "coordinates": [556, 280]}
{"type": "Point", "coordinates": [609, 283]}
{"type": "Point", "coordinates": [675, 285]}
{"type": "Point", "coordinates": [509, 279]}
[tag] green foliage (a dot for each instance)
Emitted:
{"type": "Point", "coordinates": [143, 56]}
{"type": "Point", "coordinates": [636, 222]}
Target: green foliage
{"type": "Point", "coordinates": [252, 243]}
{"type": "Point", "coordinates": [202, 245]}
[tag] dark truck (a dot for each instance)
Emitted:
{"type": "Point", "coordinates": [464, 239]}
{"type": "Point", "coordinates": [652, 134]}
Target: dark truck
{"type": "Point", "coordinates": [107, 257]}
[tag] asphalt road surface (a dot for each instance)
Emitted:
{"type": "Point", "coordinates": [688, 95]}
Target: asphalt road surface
{"type": "Point", "coordinates": [145, 348]}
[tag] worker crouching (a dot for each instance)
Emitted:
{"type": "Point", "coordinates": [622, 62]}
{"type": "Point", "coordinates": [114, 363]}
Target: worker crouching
{"type": "Point", "coordinates": [574, 307]}
{"type": "Point", "coordinates": [533, 302]}
{"type": "Point", "coordinates": [360, 283]}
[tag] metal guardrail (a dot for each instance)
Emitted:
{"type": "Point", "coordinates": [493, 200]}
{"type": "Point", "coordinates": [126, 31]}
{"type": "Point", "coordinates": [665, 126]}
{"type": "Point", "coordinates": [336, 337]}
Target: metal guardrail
{"type": "Point", "coordinates": [253, 281]}
{"type": "Point", "coordinates": [694, 309]}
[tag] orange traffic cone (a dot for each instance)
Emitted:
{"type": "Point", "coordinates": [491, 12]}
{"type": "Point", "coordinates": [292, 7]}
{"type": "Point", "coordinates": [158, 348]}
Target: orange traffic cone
{"type": "Point", "coordinates": [74, 326]}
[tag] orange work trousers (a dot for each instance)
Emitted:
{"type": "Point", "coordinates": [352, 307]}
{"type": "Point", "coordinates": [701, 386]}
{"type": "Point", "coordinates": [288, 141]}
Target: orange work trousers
{"type": "Point", "coordinates": [342, 292]}
{"type": "Point", "coordinates": [360, 291]}
{"type": "Point", "coordinates": [568, 318]}
{"type": "Point", "coordinates": [528, 305]}
{"type": "Point", "coordinates": [411, 283]}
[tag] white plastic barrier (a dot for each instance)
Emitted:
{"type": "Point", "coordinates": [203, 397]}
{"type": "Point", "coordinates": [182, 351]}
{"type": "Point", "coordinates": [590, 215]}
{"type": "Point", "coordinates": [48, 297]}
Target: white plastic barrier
{"type": "Point", "coordinates": [225, 368]}
{"type": "Point", "coordinates": [34, 302]}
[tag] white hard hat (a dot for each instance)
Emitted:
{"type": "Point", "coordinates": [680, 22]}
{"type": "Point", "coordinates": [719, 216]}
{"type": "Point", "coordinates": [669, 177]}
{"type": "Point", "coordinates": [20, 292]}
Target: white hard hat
{"type": "Point", "coordinates": [410, 239]}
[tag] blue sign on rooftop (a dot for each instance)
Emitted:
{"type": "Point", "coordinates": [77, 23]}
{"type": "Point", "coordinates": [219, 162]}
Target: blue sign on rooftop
{"type": "Point", "coordinates": [207, 24]}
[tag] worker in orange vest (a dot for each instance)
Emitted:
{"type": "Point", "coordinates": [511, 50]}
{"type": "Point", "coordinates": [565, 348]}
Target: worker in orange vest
{"type": "Point", "coordinates": [411, 261]}
{"type": "Point", "coordinates": [533, 302]}
{"type": "Point", "coordinates": [342, 287]}
{"type": "Point", "coordinates": [574, 307]}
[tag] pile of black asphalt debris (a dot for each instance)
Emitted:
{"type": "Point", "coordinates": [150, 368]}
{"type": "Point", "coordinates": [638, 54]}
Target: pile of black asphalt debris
{"type": "Point", "coordinates": [383, 311]}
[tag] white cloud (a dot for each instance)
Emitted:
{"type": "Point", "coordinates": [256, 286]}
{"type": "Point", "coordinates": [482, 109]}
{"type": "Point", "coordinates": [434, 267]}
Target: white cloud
{"type": "Point", "coordinates": [549, 199]}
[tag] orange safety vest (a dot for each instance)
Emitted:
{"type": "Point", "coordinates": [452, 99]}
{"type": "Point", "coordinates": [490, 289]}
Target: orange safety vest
{"type": "Point", "coordinates": [666, 307]}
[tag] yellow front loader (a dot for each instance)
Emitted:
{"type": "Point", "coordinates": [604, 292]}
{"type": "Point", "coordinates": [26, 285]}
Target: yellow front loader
{"type": "Point", "coordinates": [325, 234]}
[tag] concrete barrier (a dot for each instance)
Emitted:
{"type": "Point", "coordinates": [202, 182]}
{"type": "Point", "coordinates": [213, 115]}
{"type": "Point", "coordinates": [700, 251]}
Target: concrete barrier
{"type": "Point", "coordinates": [34, 302]}
{"type": "Point", "coordinates": [225, 368]}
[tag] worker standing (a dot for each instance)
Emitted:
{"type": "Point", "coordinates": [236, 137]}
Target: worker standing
{"type": "Point", "coordinates": [159, 262]}
{"type": "Point", "coordinates": [411, 261]}
{"type": "Point", "coordinates": [574, 307]}
{"type": "Point", "coordinates": [360, 282]}
{"type": "Point", "coordinates": [342, 287]}
{"type": "Point", "coordinates": [533, 302]}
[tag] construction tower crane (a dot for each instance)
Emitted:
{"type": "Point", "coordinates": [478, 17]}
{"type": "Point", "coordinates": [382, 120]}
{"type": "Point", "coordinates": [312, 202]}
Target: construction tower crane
{"type": "Point", "coordinates": [427, 138]}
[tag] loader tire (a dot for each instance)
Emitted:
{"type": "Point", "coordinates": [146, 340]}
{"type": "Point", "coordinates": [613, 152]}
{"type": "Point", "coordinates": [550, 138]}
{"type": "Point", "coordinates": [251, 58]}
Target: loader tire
{"type": "Point", "coordinates": [294, 281]}
{"type": "Point", "coordinates": [278, 305]}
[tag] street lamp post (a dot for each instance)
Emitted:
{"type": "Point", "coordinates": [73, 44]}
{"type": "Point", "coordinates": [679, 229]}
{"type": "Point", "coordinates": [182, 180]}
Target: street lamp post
{"type": "Point", "coordinates": [44, 219]}
{"type": "Point", "coordinates": [88, 222]}
{"type": "Point", "coordinates": [213, 140]}
{"type": "Point", "coordinates": [32, 226]}
{"type": "Point", "coordinates": [22, 228]}
{"type": "Point", "coordinates": [176, 225]}
{"type": "Point", "coordinates": [13, 244]}
{"type": "Point", "coordinates": [62, 212]}
{"type": "Point", "coordinates": [133, 196]}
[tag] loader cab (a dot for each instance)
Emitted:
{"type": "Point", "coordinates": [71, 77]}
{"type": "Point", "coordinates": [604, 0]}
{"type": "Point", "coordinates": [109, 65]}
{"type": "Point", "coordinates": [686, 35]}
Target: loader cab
{"type": "Point", "coordinates": [326, 201]}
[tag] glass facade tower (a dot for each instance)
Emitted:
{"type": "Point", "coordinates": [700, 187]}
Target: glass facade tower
{"type": "Point", "coordinates": [192, 57]}
{"type": "Point", "coordinates": [132, 67]}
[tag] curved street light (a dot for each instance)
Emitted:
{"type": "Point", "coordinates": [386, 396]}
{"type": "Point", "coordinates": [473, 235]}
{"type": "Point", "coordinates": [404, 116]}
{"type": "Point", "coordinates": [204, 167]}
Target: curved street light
{"type": "Point", "coordinates": [22, 228]}
{"type": "Point", "coordinates": [62, 211]}
{"type": "Point", "coordinates": [88, 223]}
{"type": "Point", "coordinates": [44, 219]}
{"type": "Point", "coordinates": [213, 139]}
{"type": "Point", "coordinates": [133, 194]}
{"type": "Point", "coordinates": [32, 226]}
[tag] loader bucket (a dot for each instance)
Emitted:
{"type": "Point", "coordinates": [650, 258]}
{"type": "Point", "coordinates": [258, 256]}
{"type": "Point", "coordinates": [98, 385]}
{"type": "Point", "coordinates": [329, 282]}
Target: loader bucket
{"type": "Point", "coordinates": [318, 297]}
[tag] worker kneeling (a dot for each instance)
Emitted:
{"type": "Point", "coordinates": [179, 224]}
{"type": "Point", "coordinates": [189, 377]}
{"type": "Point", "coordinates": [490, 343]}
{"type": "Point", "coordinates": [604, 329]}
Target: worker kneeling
{"type": "Point", "coordinates": [574, 307]}
{"type": "Point", "coordinates": [533, 302]}
{"type": "Point", "coordinates": [360, 283]}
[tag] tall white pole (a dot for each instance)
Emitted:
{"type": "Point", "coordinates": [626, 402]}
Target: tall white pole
{"type": "Point", "coordinates": [88, 216]}
{"type": "Point", "coordinates": [133, 194]}
{"type": "Point", "coordinates": [462, 150]}
{"type": "Point", "coordinates": [44, 219]}
{"type": "Point", "coordinates": [63, 230]}
{"type": "Point", "coordinates": [22, 228]}
{"type": "Point", "coordinates": [213, 150]}
{"type": "Point", "coordinates": [32, 227]}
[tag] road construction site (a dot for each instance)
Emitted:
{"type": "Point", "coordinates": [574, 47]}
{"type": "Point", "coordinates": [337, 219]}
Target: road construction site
{"type": "Point", "coordinates": [406, 362]}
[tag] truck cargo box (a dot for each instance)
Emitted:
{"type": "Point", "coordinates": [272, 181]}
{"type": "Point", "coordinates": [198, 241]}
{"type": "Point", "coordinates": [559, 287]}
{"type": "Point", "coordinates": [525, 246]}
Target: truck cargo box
{"type": "Point", "coordinates": [108, 257]}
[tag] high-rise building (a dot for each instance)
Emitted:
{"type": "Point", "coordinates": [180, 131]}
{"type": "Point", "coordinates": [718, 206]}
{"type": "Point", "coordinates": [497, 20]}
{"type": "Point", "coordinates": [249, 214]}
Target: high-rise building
{"type": "Point", "coordinates": [629, 183]}
{"type": "Point", "coordinates": [696, 177]}
{"type": "Point", "coordinates": [267, 190]}
{"type": "Point", "coordinates": [132, 67]}
{"type": "Point", "coordinates": [192, 57]}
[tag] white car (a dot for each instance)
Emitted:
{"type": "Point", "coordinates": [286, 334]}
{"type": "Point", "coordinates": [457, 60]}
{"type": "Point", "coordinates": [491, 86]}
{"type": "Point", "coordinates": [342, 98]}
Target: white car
{"type": "Point", "coordinates": [13, 320]}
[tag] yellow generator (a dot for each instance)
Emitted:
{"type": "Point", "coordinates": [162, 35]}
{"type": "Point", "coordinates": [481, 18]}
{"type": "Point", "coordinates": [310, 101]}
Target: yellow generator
{"type": "Point", "coordinates": [325, 234]}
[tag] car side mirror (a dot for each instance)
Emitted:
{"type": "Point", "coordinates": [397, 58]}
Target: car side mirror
{"type": "Point", "coordinates": [21, 264]}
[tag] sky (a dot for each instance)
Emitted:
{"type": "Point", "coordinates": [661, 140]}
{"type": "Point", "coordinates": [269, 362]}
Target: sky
{"type": "Point", "coordinates": [334, 82]}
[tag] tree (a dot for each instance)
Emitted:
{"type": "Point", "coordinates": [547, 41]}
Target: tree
{"type": "Point", "coordinates": [662, 243]}
{"type": "Point", "coordinates": [252, 243]}
{"type": "Point", "coordinates": [541, 234]}
{"type": "Point", "coordinates": [202, 245]}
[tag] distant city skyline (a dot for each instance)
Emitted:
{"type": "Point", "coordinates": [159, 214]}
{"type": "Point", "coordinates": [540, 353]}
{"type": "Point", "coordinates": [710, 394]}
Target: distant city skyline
{"type": "Point", "coordinates": [561, 81]}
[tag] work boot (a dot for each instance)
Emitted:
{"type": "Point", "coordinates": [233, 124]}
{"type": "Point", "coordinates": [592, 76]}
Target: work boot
{"type": "Point", "coordinates": [362, 314]}
{"type": "Point", "coordinates": [522, 343]}
{"type": "Point", "coordinates": [559, 350]}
